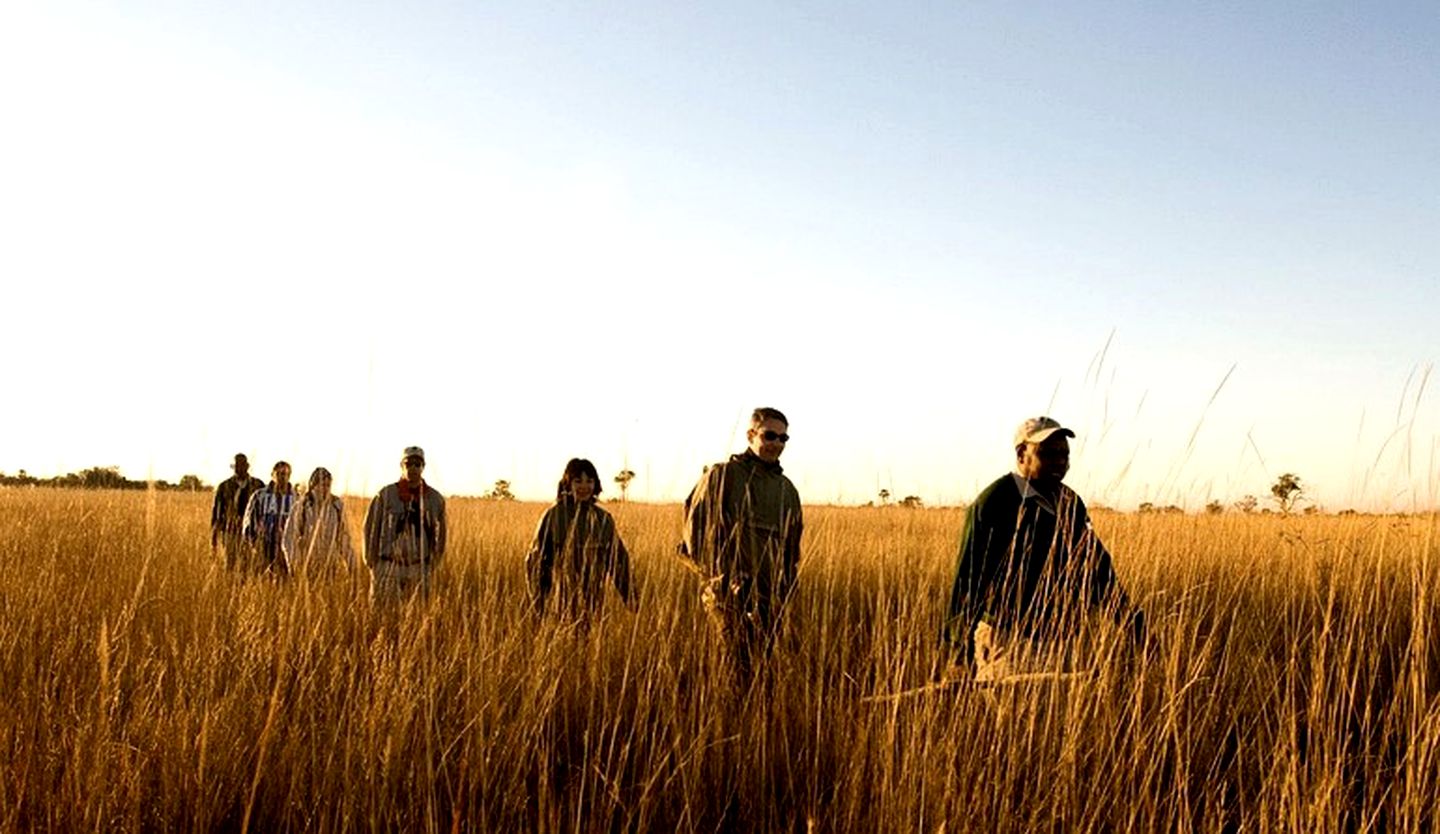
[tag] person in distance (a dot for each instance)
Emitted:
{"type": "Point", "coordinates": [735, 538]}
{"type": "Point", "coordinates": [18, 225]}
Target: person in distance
{"type": "Point", "coordinates": [317, 540]}
{"type": "Point", "coordinates": [405, 532]}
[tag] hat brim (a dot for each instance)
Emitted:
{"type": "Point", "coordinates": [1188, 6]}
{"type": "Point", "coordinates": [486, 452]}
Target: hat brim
{"type": "Point", "coordinates": [1045, 434]}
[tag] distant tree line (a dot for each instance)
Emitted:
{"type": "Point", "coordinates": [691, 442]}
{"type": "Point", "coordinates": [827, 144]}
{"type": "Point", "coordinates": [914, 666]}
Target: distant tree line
{"type": "Point", "coordinates": [101, 477]}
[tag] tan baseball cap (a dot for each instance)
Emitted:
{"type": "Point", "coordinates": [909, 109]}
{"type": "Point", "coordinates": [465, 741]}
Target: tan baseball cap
{"type": "Point", "coordinates": [1036, 429]}
{"type": "Point", "coordinates": [412, 452]}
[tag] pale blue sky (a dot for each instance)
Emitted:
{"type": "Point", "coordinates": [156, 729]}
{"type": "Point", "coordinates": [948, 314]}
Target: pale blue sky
{"type": "Point", "coordinates": [611, 229]}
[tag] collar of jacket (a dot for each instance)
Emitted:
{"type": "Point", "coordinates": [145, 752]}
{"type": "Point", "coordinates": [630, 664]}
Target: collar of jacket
{"type": "Point", "coordinates": [407, 492]}
{"type": "Point", "coordinates": [749, 457]}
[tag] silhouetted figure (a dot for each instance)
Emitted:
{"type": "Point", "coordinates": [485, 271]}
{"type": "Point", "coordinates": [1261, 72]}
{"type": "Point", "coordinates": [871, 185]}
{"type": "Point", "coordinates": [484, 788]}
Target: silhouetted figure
{"type": "Point", "coordinates": [227, 515]}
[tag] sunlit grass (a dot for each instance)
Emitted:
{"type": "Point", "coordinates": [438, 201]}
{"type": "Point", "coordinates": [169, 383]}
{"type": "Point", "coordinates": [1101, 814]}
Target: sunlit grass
{"type": "Point", "coordinates": [1293, 686]}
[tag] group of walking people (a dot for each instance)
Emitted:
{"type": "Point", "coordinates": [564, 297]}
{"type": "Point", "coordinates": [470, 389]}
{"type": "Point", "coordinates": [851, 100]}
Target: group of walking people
{"type": "Point", "coordinates": [1029, 574]}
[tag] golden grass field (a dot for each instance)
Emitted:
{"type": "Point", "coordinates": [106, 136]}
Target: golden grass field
{"type": "Point", "coordinates": [1293, 687]}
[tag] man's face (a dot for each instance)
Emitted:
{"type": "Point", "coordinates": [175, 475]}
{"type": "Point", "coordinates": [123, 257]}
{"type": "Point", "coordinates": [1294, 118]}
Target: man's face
{"type": "Point", "coordinates": [768, 439]}
{"type": "Point", "coordinates": [413, 468]}
{"type": "Point", "coordinates": [282, 476]}
{"type": "Point", "coordinates": [582, 486]}
{"type": "Point", "coordinates": [242, 467]}
{"type": "Point", "coordinates": [1045, 462]}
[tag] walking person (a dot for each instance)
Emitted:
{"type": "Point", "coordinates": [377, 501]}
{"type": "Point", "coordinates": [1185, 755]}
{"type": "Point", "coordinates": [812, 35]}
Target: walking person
{"type": "Point", "coordinates": [576, 548]}
{"type": "Point", "coordinates": [265, 518]}
{"type": "Point", "coordinates": [1031, 570]}
{"type": "Point", "coordinates": [405, 532]}
{"type": "Point", "coordinates": [227, 514]}
{"type": "Point", "coordinates": [742, 534]}
{"type": "Point", "coordinates": [316, 542]}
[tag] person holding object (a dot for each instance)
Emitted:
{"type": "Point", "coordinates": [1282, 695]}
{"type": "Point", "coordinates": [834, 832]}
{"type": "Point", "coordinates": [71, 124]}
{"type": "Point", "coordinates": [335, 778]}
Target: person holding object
{"type": "Point", "coordinates": [576, 547]}
{"type": "Point", "coordinates": [405, 532]}
{"type": "Point", "coordinates": [1031, 569]}
{"type": "Point", "coordinates": [742, 532]}
{"type": "Point", "coordinates": [317, 540]}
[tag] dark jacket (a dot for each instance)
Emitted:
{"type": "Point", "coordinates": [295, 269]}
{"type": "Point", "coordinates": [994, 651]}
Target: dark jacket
{"type": "Point", "coordinates": [1028, 570]}
{"type": "Point", "coordinates": [742, 533]}
{"type": "Point", "coordinates": [576, 546]}
{"type": "Point", "coordinates": [232, 497]}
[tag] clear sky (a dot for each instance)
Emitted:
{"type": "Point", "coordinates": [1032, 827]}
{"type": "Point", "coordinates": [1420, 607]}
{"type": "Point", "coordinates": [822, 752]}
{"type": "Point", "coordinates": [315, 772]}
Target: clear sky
{"type": "Point", "coordinates": [514, 233]}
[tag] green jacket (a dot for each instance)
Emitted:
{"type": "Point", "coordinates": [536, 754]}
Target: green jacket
{"type": "Point", "coordinates": [742, 533]}
{"type": "Point", "coordinates": [576, 546]}
{"type": "Point", "coordinates": [1030, 570]}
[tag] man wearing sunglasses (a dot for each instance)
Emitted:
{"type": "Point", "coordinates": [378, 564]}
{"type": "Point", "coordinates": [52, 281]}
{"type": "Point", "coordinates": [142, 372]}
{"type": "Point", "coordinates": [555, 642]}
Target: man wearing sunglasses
{"type": "Point", "coordinates": [1031, 568]}
{"type": "Point", "coordinates": [742, 535]}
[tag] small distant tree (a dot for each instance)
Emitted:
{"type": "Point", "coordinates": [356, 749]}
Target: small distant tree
{"type": "Point", "coordinates": [623, 480]}
{"type": "Point", "coordinates": [191, 483]}
{"type": "Point", "coordinates": [884, 497]}
{"type": "Point", "coordinates": [912, 502]}
{"type": "Point", "coordinates": [1146, 507]}
{"type": "Point", "coordinates": [1247, 504]}
{"type": "Point", "coordinates": [1286, 492]}
{"type": "Point", "coordinates": [1214, 508]}
{"type": "Point", "coordinates": [500, 492]}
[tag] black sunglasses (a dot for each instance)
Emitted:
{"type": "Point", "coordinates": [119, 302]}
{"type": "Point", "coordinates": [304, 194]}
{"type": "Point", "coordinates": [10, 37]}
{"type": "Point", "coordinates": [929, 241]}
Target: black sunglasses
{"type": "Point", "coordinates": [771, 437]}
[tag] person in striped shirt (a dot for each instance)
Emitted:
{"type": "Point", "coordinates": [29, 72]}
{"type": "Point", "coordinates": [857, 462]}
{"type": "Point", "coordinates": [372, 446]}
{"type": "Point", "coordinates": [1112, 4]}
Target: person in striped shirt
{"type": "Point", "coordinates": [265, 519]}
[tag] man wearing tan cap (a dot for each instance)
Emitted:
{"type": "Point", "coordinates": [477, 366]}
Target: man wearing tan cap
{"type": "Point", "coordinates": [405, 532]}
{"type": "Point", "coordinates": [1031, 568]}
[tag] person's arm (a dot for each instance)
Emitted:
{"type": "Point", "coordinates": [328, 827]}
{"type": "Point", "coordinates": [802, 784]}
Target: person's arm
{"type": "Point", "coordinates": [794, 529]}
{"type": "Point", "coordinates": [251, 527]}
{"type": "Point", "coordinates": [967, 594]}
{"type": "Point", "coordinates": [347, 547]}
{"type": "Point", "coordinates": [1105, 591]}
{"type": "Point", "coordinates": [217, 515]}
{"type": "Point", "coordinates": [374, 524]}
{"type": "Point", "coordinates": [442, 532]}
{"type": "Point", "coordinates": [620, 569]}
{"type": "Point", "coordinates": [540, 561]}
{"type": "Point", "coordinates": [698, 507]}
{"type": "Point", "coordinates": [290, 536]}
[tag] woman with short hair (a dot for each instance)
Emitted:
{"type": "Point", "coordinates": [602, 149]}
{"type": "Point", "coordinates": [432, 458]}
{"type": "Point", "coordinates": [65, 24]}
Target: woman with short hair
{"type": "Point", "coordinates": [576, 547]}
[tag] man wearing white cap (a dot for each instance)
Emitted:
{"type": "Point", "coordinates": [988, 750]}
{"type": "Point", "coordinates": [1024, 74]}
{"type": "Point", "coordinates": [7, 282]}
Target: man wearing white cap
{"type": "Point", "coordinates": [1030, 566]}
{"type": "Point", "coordinates": [405, 532]}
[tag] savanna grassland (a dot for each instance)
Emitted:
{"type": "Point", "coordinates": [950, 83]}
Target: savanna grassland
{"type": "Point", "coordinates": [1291, 686]}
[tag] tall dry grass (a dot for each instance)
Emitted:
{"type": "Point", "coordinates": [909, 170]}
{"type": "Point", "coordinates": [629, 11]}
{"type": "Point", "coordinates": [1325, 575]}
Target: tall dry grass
{"type": "Point", "coordinates": [1292, 687]}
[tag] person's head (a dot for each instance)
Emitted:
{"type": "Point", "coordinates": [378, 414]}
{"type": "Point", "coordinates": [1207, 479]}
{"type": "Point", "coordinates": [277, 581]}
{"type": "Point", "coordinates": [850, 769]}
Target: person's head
{"type": "Point", "coordinates": [1042, 450]}
{"type": "Point", "coordinates": [580, 480]}
{"type": "Point", "coordinates": [768, 433]}
{"type": "Point", "coordinates": [241, 465]}
{"type": "Point", "coordinates": [320, 481]}
{"type": "Point", "coordinates": [280, 473]}
{"type": "Point", "coordinates": [412, 464]}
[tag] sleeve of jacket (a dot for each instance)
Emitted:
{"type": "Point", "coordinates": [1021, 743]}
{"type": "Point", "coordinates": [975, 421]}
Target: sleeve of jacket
{"type": "Point", "coordinates": [794, 530]}
{"type": "Point", "coordinates": [374, 524]}
{"type": "Point", "coordinates": [967, 595]}
{"type": "Point", "coordinates": [620, 567]}
{"type": "Point", "coordinates": [217, 513]}
{"type": "Point", "coordinates": [347, 547]}
{"type": "Point", "coordinates": [699, 507]}
{"type": "Point", "coordinates": [251, 527]}
{"type": "Point", "coordinates": [290, 536]}
{"type": "Point", "coordinates": [442, 531]}
{"type": "Point", "coordinates": [1106, 592]}
{"type": "Point", "coordinates": [540, 561]}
